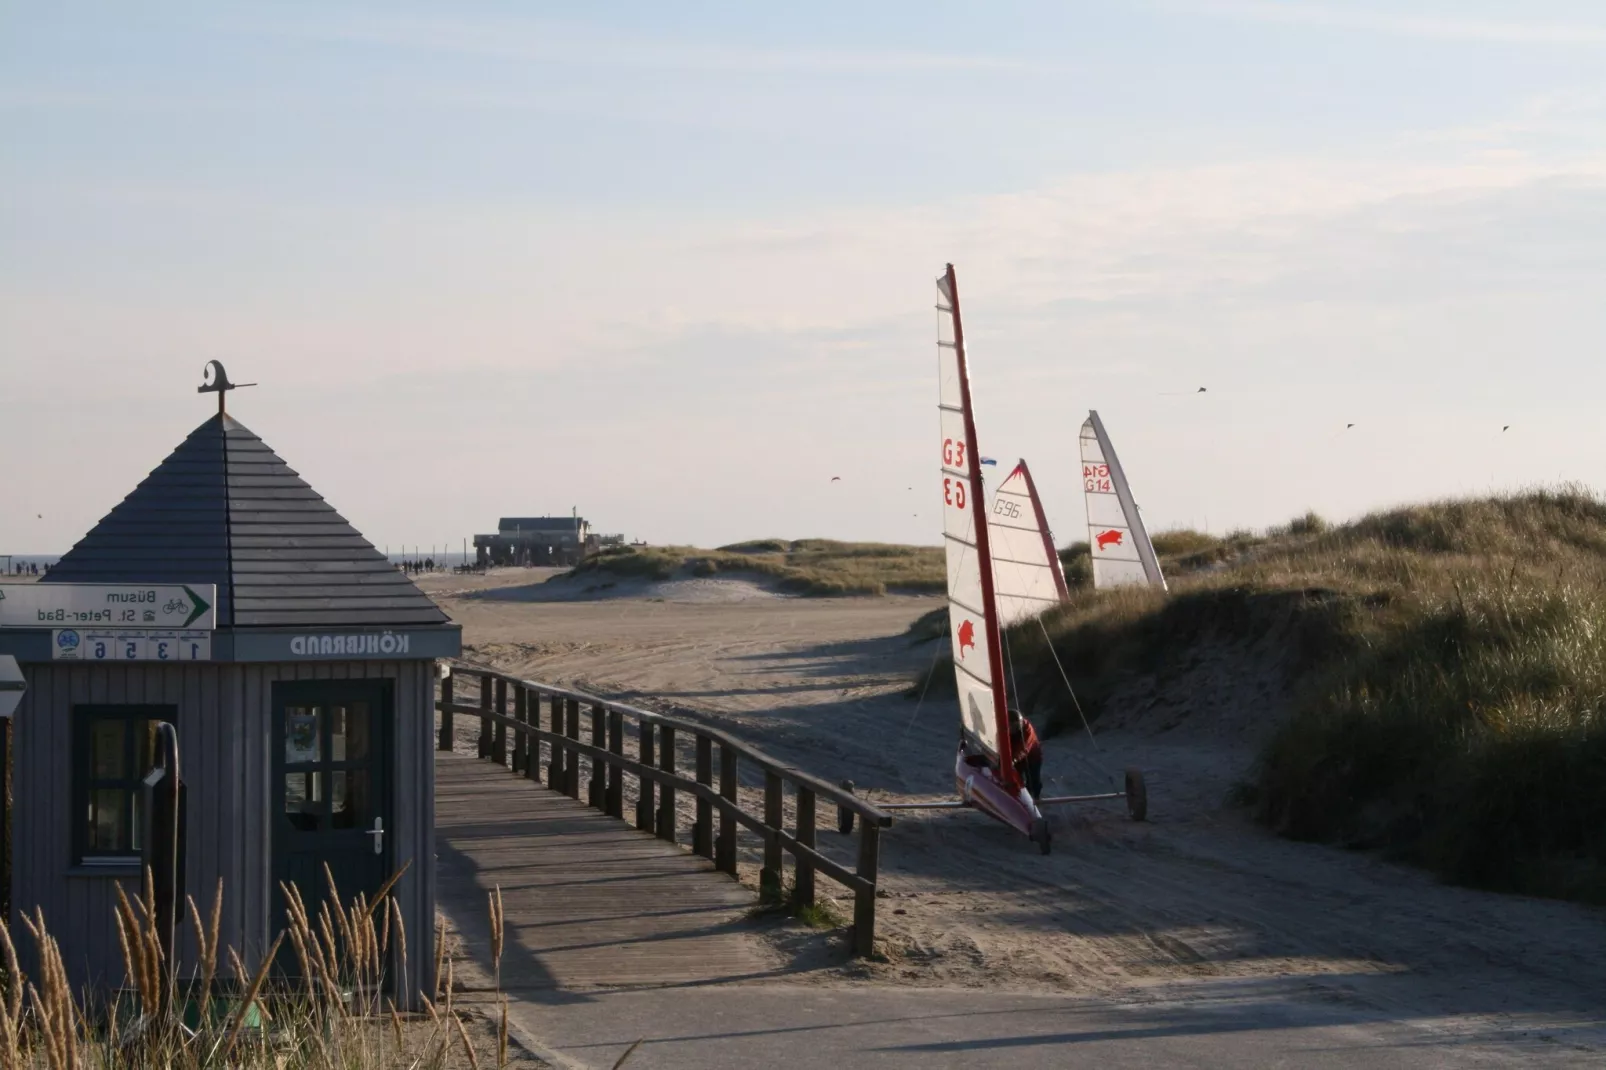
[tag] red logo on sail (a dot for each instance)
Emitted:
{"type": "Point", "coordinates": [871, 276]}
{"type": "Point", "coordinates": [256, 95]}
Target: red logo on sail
{"type": "Point", "coordinates": [1107, 539]}
{"type": "Point", "coordinates": [967, 636]}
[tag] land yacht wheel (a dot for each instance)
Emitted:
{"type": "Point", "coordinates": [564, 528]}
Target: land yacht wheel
{"type": "Point", "coordinates": [1137, 795]}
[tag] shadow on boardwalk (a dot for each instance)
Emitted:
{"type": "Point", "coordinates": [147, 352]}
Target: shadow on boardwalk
{"type": "Point", "coordinates": [587, 900]}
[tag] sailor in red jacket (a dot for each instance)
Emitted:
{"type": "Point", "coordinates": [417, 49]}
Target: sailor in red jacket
{"type": "Point", "coordinates": [1027, 752]}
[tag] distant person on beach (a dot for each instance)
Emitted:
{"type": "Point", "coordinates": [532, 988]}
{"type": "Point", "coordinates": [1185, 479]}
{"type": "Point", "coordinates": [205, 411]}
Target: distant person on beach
{"type": "Point", "coordinates": [1028, 752]}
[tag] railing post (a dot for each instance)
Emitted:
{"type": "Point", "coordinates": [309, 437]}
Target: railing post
{"type": "Point", "coordinates": [702, 830]}
{"type": "Point", "coordinates": [666, 794]}
{"type": "Point", "coordinates": [445, 741]}
{"type": "Point", "coordinates": [599, 770]}
{"type": "Point", "coordinates": [485, 722]}
{"type": "Point", "coordinates": [864, 898]}
{"type": "Point", "coordinates": [770, 878]}
{"type": "Point", "coordinates": [616, 776]}
{"type": "Point", "coordinates": [725, 847]}
{"type": "Point", "coordinates": [644, 796]}
{"type": "Point", "coordinates": [521, 714]}
{"type": "Point", "coordinates": [803, 882]}
{"type": "Point", "coordinates": [571, 768]}
{"type": "Point", "coordinates": [532, 754]}
{"type": "Point", "coordinates": [554, 767]}
{"type": "Point", "coordinates": [499, 731]}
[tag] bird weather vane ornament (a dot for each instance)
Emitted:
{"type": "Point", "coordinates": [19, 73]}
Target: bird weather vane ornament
{"type": "Point", "coordinates": [216, 381]}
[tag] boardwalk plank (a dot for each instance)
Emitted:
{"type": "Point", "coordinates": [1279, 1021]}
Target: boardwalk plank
{"type": "Point", "coordinates": [588, 900]}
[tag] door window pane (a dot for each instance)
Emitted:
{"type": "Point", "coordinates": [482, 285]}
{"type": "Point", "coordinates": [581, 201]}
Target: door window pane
{"type": "Point", "coordinates": [303, 800]}
{"type": "Point", "coordinates": [301, 735]}
{"type": "Point", "coordinates": [348, 738]}
{"type": "Point", "coordinates": [349, 806]}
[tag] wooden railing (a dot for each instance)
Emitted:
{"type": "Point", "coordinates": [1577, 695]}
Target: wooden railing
{"type": "Point", "coordinates": [512, 726]}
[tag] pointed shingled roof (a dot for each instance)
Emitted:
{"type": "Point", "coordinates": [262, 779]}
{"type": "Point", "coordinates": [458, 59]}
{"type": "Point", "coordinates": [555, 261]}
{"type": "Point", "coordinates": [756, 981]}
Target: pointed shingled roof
{"type": "Point", "coordinates": [223, 508]}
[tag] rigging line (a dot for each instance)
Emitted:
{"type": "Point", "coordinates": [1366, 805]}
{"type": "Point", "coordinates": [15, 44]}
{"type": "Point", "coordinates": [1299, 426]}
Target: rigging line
{"type": "Point", "coordinates": [1074, 701]}
{"type": "Point", "coordinates": [936, 655]}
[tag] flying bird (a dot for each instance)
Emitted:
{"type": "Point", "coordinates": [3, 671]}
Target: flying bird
{"type": "Point", "coordinates": [836, 479]}
{"type": "Point", "coordinates": [1182, 393]}
{"type": "Point", "coordinates": [1506, 428]}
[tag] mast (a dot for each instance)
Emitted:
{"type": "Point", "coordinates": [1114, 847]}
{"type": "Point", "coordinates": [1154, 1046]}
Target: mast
{"type": "Point", "coordinates": [977, 504]}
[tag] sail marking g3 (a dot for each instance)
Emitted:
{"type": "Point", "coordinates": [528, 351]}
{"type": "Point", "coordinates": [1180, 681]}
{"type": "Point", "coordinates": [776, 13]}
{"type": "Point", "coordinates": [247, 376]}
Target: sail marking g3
{"type": "Point", "coordinates": [1027, 577]}
{"type": "Point", "coordinates": [1117, 540]}
{"type": "Point", "coordinates": [972, 613]}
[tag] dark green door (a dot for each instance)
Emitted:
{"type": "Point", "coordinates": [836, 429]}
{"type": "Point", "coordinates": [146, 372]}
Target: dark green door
{"type": "Point", "coordinates": [331, 760]}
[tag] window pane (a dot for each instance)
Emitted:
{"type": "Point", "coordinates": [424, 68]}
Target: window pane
{"type": "Point", "coordinates": [110, 822]}
{"type": "Point", "coordinates": [107, 755]}
{"type": "Point", "coordinates": [348, 800]}
{"type": "Point", "coordinates": [303, 800]}
{"type": "Point", "coordinates": [349, 732]}
{"type": "Point", "coordinates": [301, 735]}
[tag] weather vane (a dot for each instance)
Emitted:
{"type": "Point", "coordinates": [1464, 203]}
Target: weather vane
{"type": "Point", "coordinates": [217, 382]}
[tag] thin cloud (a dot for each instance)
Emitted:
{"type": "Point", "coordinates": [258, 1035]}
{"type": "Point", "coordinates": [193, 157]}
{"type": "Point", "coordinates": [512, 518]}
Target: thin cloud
{"type": "Point", "coordinates": [1436, 27]}
{"type": "Point", "coordinates": [556, 42]}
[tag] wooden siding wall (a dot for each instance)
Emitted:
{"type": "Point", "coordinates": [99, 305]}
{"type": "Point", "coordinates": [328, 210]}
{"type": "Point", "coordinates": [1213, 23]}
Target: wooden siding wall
{"type": "Point", "coordinates": [225, 721]}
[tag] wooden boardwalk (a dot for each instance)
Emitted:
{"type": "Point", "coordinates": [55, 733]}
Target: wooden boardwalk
{"type": "Point", "coordinates": [587, 899]}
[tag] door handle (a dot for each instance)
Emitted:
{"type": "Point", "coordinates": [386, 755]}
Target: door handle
{"type": "Point", "coordinates": [378, 833]}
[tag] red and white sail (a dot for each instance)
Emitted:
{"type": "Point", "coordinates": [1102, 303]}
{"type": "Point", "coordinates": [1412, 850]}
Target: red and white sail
{"type": "Point", "coordinates": [1027, 577]}
{"type": "Point", "coordinates": [972, 612]}
{"type": "Point", "coordinates": [1119, 544]}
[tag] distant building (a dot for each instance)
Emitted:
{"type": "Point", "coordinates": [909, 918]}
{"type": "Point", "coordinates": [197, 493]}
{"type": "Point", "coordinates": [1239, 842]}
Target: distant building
{"type": "Point", "coordinates": [534, 540]}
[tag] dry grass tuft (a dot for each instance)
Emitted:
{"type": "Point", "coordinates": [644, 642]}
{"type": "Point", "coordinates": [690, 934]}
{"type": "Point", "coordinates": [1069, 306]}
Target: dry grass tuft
{"type": "Point", "coordinates": [333, 1015]}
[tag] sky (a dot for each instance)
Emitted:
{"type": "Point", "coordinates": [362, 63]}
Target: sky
{"type": "Point", "coordinates": [672, 264]}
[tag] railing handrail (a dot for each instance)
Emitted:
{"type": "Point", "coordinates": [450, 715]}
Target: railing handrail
{"type": "Point", "coordinates": [843, 798]}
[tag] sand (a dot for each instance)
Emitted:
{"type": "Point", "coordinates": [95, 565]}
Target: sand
{"type": "Point", "coordinates": [1197, 895]}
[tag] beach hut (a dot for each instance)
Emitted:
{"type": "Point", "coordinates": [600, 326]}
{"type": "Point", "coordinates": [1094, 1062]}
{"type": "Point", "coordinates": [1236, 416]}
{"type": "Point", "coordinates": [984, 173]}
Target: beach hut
{"type": "Point", "coordinates": [224, 597]}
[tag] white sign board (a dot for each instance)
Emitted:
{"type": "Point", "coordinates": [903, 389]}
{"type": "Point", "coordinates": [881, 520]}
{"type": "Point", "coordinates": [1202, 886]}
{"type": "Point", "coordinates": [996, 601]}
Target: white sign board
{"type": "Point", "coordinates": [70, 644]}
{"type": "Point", "coordinates": [12, 685]}
{"type": "Point", "coordinates": [77, 606]}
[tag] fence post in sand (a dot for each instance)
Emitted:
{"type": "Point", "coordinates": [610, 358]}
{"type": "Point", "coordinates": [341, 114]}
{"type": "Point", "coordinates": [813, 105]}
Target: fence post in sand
{"type": "Point", "coordinates": [520, 712]}
{"type": "Point", "coordinates": [770, 878]}
{"type": "Point", "coordinates": [725, 848]}
{"type": "Point", "coordinates": [599, 770]}
{"type": "Point", "coordinates": [571, 765]}
{"type": "Point", "coordinates": [702, 831]}
{"type": "Point", "coordinates": [616, 777]}
{"type": "Point", "coordinates": [803, 882]}
{"type": "Point", "coordinates": [486, 687]}
{"type": "Point", "coordinates": [445, 741]}
{"type": "Point", "coordinates": [644, 796]}
{"type": "Point", "coordinates": [499, 733]}
{"type": "Point", "coordinates": [864, 898]}
{"type": "Point", "coordinates": [554, 767]}
{"type": "Point", "coordinates": [666, 794]}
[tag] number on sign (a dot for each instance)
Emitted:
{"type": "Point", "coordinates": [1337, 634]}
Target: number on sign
{"type": "Point", "coordinates": [1095, 471]}
{"type": "Point", "coordinates": [131, 650]}
{"type": "Point", "coordinates": [161, 650]}
{"type": "Point", "coordinates": [953, 452]}
{"type": "Point", "coordinates": [1099, 486]}
{"type": "Point", "coordinates": [953, 493]}
{"type": "Point", "coordinates": [100, 648]}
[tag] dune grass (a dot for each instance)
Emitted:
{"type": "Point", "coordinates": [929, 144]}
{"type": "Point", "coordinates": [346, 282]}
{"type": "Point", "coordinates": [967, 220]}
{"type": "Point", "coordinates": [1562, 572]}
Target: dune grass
{"type": "Point", "coordinates": [814, 567]}
{"type": "Point", "coordinates": [1447, 666]}
{"type": "Point", "coordinates": [338, 1013]}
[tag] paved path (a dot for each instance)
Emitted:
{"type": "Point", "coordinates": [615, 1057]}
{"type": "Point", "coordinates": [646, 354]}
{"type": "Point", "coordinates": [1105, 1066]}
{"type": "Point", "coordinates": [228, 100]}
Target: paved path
{"type": "Point", "coordinates": [592, 905]}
